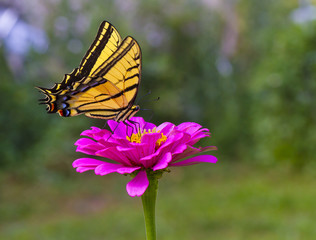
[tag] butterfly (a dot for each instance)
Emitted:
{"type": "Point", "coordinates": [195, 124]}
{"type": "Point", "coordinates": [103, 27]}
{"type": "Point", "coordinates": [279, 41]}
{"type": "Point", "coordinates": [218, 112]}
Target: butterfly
{"type": "Point", "coordinates": [106, 82]}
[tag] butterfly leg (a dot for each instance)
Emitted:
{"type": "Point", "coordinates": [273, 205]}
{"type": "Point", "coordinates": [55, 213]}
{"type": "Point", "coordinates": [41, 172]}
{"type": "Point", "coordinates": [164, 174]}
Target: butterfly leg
{"type": "Point", "coordinates": [135, 126]}
{"type": "Point", "coordinates": [106, 125]}
{"type": "Point", "coordinates": [128, 126]}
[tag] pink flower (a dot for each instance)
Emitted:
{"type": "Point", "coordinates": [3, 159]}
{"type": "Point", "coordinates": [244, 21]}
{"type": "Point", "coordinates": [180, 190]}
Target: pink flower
{"type": "Point", "coordinates": [150, 150]}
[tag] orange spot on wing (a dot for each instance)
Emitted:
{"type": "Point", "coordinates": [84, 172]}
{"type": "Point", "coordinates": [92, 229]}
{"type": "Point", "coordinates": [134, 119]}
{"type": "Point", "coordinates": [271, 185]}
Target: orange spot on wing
{"type": "Point", "coordinates": [61, 113]}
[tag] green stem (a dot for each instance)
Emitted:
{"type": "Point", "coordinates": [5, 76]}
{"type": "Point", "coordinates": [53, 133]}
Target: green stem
{"type": "Point", "coordinates": [149, 202]}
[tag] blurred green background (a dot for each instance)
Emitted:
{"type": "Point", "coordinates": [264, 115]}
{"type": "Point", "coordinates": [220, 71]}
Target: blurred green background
{"type": "Point", "coordinates": [245, 69]}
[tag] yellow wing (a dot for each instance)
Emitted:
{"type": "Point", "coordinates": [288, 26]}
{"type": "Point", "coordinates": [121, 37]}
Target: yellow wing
{"type": "Point", "coordinates": [105, 44]}
{"type": "Point", "coordinates": [106, 83]}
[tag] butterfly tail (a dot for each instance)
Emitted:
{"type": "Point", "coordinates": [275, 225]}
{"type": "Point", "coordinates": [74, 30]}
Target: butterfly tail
{"type": "Point", "coordinates": [49, 100]}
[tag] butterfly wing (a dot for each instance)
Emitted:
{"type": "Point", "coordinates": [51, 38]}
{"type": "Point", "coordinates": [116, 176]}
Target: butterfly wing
{"type": "Point", "coordinates": [112, 88]}
{"type": "Point", "coordinates": [105, 84]}
{"type": "Point", "coordinates": [105, 44]}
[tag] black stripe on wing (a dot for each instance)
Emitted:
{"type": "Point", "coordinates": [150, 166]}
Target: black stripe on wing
{"type": "Point", "coordinates": [89, 59]}
{"type": "Point", "coordinates": [114, 110]}
{"type": "Point", "coordinates": [109, 98]}
{"type": "Point", "coordinates": [97, 76]}
{"type": "Point", "coordinates": [107, 66]}
{"type": "Point", "coordinates": [99, 44]}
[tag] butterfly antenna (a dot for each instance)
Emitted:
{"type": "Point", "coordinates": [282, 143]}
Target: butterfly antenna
{"type": "Point", "coordinates": [140, 98]}
{"type": "Point", "coordinates": [154, 100]}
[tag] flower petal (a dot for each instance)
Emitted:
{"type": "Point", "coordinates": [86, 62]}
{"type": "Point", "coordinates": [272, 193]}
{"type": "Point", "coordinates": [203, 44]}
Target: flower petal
{"type": "Point", "coordinates": [138, 185]}
{"type": "Point", "coordinates": [202, 133]}
{"type": "Point", "coordinates": [195, 160]}
{"type": "Point", "coordinates": [189, 151]}
{"type": "Point", "coordinates": [131, 153]}
{"type": "Point", "coordinates": [120, 130]}
{"type": "Point", "coordinates": [84, 169]}
{"type": "Point", "coordinates": [163, 162]}
{"type": "Point", "coordinates": [192, 151]}
{"type": "Point", "coordinates": [115, 155]}
{"type": "Point", "coordinates": [166, 128]}
{"type": "Point", "coordinates": [172, 145]}
{"type": "Point", "coordinates": [149, 141]}
{"type": "Point", "coordinates": [84, 142]}
{"type": "Point", "coordinates": [107, 168]}
{"type": "Point", "coordinates": [112, 124]}
{"type": "Point", "coordinates": [96, 133]}
{"type": "Point", "coordinates": [208, 148]}
{"type": "Point", "coordinates": [85, 164]}
{"type": "Point", "coordinates": [88, 146]}
{"type": "Point", "coordinates": [189, 127]}
{"type": "Point", "coordinates": [142, 124]}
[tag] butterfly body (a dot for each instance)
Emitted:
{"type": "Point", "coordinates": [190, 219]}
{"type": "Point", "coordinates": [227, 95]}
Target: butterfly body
{"type": "Point", "coordinates": [105, 84]}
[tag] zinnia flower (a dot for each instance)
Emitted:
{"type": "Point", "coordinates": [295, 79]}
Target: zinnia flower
{"type": "Point", "coordinates": [141, 149]}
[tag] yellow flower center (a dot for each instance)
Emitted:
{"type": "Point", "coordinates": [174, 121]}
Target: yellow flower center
{"type": "Point", "coordinates": [137, 137]}
{"type": "Point", "coordinates": [161, 140]}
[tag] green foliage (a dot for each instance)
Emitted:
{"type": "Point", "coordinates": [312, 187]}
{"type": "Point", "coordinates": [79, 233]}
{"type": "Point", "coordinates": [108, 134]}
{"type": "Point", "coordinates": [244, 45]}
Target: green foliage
{"type": "Point", "coordinates": [222, 201]}
{"type": "Point", "coordinates": [30, 140]}
{"type": "Point", "coordinates": [19, 125]}
{"type": "Point", "coordinates": [283, 99]}
{"type": "Point", "coordinates": [263, 110]}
